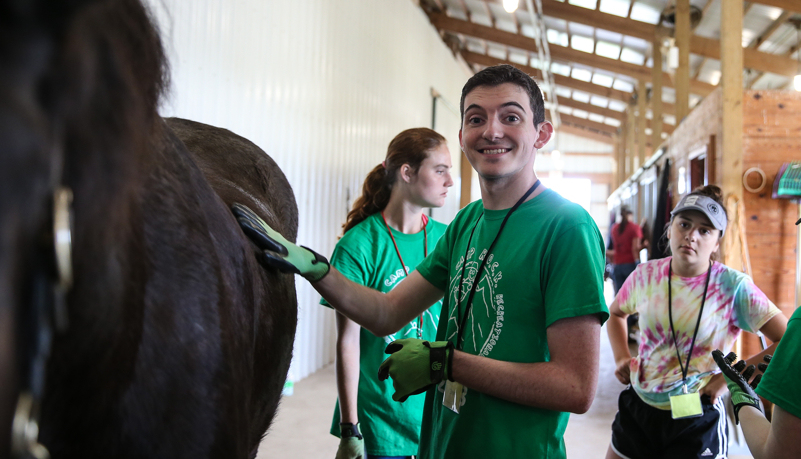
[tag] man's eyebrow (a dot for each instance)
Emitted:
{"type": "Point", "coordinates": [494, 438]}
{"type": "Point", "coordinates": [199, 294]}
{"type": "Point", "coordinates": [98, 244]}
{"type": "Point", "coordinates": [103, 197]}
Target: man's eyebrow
{"type": "Point", "coordinates": [513, 103]}
{"type": "Point", "coordinates": [507, 104]}
{"type": "Point", "coordinates": [472, 106]}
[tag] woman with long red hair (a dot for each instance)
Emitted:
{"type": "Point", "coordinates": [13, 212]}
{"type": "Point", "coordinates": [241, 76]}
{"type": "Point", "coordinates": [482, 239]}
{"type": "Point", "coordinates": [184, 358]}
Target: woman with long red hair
{"type": "Point", "coordinates": [386, 236]}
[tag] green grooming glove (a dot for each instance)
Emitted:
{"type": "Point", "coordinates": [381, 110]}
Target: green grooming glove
{"type": "Point", "coordinates": [415, 365]}
{"type": "Point", "coordinates": [742, 393]}
{"type": "Point", "coordinates": [351, 442]}
{"type": "Point", "coordinates": [276, 251]}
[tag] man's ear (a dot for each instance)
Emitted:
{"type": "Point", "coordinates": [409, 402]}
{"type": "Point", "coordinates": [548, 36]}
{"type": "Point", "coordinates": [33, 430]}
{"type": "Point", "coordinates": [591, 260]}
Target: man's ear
{"type": "Point", "coordinates": [461, 145]}
{"type": "Point", "coordinates": [544, 135]}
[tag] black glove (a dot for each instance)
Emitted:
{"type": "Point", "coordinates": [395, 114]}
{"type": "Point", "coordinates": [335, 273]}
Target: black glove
{"type": "Point", "coordinates": [737, 377]}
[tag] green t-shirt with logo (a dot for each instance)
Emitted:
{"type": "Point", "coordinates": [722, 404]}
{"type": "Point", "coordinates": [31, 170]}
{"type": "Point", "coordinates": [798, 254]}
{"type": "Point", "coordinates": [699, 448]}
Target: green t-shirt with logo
{"type": "Point", "coordinates": [547, 265]}
{"type": "Point", "coordinates": [367, 256]}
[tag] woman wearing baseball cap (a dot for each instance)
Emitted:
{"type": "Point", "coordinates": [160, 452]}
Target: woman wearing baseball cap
{"type": "Point", "coordinates": [689, 304]}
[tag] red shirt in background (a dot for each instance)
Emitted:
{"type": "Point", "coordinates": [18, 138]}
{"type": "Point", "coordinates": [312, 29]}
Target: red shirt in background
{"type": "Point", "coordinates": [622, 242]}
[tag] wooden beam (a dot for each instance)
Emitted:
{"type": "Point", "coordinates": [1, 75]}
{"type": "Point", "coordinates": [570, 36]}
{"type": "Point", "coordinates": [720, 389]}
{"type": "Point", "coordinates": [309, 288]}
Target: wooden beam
{"type": "Point", "coordinates": [641, 109]}
{"type": "Point", "coordinates": [752, 58]}
{"type": "Point", "coordinates": [568, 82]}
{"type": "Point", "coordinates": [560, 53]}
{"type": "Point", "coordinates": [600, 127]}
{"type": "Point", "coordinates": [621, 155]}
{"type": "Point", "coordinates": [702, 46]}
{"type": "Point", "coordinates": [731, 30]}
{"type": "Point", "coordinates": [656, 96]}
{"type": "Point", "coordinates": [767, 33]}
{"type": "Point", "coordinates": [592, 135]}
{"type": "Point", "coordinates": [787, 5]}
{"type": "Point", "coordinates": [682, 76]}
{"type": "Point", "coordinates": [630, 130]}
{"type": "Point", "coordinates": [560, 80]}
{"type": "Point", "coordinates": [590, 108]}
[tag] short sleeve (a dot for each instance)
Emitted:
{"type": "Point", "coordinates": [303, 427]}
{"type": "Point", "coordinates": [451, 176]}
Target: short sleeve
{"type": "Point", "coordinates": [350, 267]}
{"type": "Point", "coordinates": [574, 275]}
{"type": "Point", "coordinates": [627, 295]}
{"type": "Point", "coordinates": [638, 231]}
{"type": "Point", "coordinates": [752, 307]}
{"type": "Point", "coordinates": [434, 268]}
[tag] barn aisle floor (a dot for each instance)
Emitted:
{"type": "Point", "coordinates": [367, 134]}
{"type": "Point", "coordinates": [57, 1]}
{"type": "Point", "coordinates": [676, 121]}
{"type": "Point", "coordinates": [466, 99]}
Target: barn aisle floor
{"type": "Point", "coordinates": [301, 427]}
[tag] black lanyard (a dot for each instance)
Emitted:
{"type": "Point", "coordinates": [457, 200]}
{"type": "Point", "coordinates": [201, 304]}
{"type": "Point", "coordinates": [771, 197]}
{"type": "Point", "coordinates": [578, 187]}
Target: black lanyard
{"type": "Point", "coordinates": [403, 265]}
{"type": "Point", "coordinates": [686, 369]}
{"type": "Point", "coordinates": [463, 320]}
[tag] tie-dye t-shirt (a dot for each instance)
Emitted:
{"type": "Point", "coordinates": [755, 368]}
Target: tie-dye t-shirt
{"type": "Point", "coordinates": [733, 303]}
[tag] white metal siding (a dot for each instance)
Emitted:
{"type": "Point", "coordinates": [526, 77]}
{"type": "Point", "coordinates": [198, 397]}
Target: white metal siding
{"type": "Point", "coordinates": [322, 86]}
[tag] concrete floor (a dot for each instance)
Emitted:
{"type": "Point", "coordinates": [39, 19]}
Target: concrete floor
{"type": "Point", "coordinates": [301, 427]}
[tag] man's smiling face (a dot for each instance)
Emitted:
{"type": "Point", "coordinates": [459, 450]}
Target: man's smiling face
{"type": "Point", "coordinates": [498, 134]}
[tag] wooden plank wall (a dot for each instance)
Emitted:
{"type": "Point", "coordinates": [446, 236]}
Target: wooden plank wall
{"type": "Point", "coordinates": [701, 128]}
{"type": "Point", "coordinates": [771, 137]}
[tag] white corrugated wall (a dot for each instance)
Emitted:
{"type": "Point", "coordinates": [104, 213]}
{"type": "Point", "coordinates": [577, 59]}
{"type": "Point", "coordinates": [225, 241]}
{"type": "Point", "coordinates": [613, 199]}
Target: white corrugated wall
{"type": "Point", "coordinates": [322, 86]}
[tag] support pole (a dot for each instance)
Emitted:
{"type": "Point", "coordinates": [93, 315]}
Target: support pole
{"type": "Point", "coordinates": [642, 106]}
{"type": "Point", "coordinates": [731, 81]}
{"type": "Point", "coordinates": [656, 97]}
{"type": "Point", "coordinates": [683, 72]}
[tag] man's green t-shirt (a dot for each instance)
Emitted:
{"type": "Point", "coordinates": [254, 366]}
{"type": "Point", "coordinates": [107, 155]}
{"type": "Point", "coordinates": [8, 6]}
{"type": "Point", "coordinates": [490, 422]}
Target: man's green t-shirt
{"type": "Point", "coordinates": [780, 382]}
{"type": "Point", "coordinates": [547, 265]}
{"type": "Point", "coordinates": [367, 256]}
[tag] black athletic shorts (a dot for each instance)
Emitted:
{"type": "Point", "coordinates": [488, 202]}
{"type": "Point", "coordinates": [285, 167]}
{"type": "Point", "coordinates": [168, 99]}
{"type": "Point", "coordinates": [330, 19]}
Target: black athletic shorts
{"type": "Point", "coordinates": [641, 431]}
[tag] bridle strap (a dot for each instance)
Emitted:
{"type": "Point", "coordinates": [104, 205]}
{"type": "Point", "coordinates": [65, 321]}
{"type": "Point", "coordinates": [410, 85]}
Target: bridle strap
{"type": "Point", "coordinates": [46, 313]}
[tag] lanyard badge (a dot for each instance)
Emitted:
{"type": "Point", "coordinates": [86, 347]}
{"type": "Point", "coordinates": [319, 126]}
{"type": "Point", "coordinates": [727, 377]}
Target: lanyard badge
{"type": "Point", "coordinates": [687, 404]}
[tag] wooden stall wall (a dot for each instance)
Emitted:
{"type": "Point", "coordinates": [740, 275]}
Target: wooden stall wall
{"type": "Point", "coordinates": [699, 131]}
{"type": "Point", "coordinates": [771, 137]}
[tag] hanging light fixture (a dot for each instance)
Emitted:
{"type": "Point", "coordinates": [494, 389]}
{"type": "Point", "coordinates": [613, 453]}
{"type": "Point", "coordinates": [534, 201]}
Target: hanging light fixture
{"type": "Point", "coordinates": [510, 5]}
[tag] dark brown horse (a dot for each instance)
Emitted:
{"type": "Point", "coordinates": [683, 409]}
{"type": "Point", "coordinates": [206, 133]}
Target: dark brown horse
{"type": "Point", "coordinates": [172, 341]}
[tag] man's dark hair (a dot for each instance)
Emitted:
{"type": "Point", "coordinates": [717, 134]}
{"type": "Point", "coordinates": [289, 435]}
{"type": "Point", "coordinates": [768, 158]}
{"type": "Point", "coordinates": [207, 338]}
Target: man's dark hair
{"type": "Point", "coordinates": [500, 74]}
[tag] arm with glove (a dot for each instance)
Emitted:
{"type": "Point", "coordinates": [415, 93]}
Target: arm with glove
{"type": "Point", "coordinates": [381, 314]}
{"type": "Point", "coordinates": [774, 440]}
{"type": "Point", "coordinates": [565, 383]}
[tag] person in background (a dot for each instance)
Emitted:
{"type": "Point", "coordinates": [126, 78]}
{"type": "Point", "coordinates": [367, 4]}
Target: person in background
{"type": "Point", "coordinates": [385, 236]}
{"type": "Point", "coordinates": [689, 305]}
{"type": "Point", "coordinates": [779, 437]}
{"type": "Point", "coordinates": [626, 243]}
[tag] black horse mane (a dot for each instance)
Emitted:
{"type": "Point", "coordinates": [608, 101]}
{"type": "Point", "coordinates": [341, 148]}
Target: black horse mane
{"type": "Point", "coordinates": [80, 83]}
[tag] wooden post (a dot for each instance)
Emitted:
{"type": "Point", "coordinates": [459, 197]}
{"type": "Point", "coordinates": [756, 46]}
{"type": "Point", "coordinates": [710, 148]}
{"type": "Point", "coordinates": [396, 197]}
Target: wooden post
{"type": "Point", "coordinates": [466, 171]}
{"type": "Point", "coordinates": [621, 155]}
{"type": "Point", "coordinates": [683, 72]}
{"type": "Point", "coordinates": [642, 92]}
{"type": "Point", "coordinates": [630, 130]}
{"type": "Point", "coordinates": [656, 97]}
{"type": "Point", "coordinates": [731, 65]}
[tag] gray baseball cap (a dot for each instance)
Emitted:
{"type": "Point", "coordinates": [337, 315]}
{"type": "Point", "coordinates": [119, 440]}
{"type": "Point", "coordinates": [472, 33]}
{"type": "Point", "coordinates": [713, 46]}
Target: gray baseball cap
{"type": "Point", "coordinates": [706, 206]}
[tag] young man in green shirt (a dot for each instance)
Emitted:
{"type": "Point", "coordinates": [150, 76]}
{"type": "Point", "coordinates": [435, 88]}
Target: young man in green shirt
{"type": "Point", "coordinates": [518, 339]}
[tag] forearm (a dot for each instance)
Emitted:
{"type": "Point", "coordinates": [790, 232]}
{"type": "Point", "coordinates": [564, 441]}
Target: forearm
{"type": "Point", "coordinates": [756, 430]}
{"type": "Point", "coordinates": [347, 366]}
{"type": "Point", "coordinates": [543, 385]}
{"type": "Point", "coordinates": [381, 314]}
{"type": "Point", "coordinates": [617, 328]}
{"type": "Point", "coordinates": [367, 307]}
